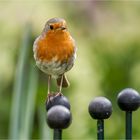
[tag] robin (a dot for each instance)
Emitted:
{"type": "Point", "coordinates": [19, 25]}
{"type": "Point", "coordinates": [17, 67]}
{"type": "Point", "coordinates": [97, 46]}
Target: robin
{"type": "Point", "coordinates": [55, 52]}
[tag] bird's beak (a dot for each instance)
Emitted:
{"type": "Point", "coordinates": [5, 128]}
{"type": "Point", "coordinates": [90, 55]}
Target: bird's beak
{"type": "Point", "coordinates": [63, 28]}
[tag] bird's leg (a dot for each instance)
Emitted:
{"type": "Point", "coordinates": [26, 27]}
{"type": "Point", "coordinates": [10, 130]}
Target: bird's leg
{"type": "Point", "coordinates": [60, 87]}
{"type": "Point", "coordinates": [49, 84]}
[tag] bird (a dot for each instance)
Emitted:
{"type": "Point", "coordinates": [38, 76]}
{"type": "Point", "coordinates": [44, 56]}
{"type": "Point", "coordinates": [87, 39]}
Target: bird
{"type": "Point", "coordinates": [55, 52]}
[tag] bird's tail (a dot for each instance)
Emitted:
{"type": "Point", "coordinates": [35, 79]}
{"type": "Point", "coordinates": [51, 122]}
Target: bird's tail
{"type": "Point", "coordinates": [65, 83]}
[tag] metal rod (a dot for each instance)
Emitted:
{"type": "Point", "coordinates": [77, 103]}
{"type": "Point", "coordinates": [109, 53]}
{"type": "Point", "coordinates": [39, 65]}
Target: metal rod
{"type": "Point", "coordinates": [100, 129]}
{"type": "Point", "coordinates": [128, 125]}
{"type": "Point", "coordinates": [57, 134]}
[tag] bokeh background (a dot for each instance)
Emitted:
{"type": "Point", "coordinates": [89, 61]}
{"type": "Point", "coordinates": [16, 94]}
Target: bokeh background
{"type": "Point", "coordinates": [107, 34]}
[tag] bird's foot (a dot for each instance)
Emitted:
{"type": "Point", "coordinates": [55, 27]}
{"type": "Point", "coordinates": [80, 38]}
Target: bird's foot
{"type": "Point", "coordinates": [59, 94]}
{"type": "Point", "coordinates": [50, 95]}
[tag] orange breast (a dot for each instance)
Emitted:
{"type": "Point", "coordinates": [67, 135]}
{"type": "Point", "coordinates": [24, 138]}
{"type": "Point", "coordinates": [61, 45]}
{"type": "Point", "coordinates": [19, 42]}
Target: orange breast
{"type": "Point", "coordinates": [55, 44]}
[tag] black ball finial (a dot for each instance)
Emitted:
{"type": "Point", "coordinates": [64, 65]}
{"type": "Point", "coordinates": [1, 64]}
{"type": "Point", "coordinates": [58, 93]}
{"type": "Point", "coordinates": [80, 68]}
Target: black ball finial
{"type": "Point", "coordinates": [57, 100]}
{"type": "Point", "coordinates": [100, 108]}
{"type": "Point", "coordinates": [58, 117]}
{"type": "Point", "coordinates": [128, 100]}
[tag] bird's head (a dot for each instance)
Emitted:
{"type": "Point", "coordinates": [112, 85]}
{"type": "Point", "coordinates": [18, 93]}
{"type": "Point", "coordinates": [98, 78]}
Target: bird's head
{"type": "Point", "coordinates": [55, 24]}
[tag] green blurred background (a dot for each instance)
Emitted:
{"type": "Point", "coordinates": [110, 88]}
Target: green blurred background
{"type": "Point", "coordinates": [107, 35]}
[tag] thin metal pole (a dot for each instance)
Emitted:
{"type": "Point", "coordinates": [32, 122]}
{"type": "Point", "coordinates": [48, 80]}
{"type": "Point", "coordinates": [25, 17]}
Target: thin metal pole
{"type": "Point", "coordinates": [57, 134]}
{"type": "Point", "coordinates": [100, 129]}
{"type": "Point", "coordinates": [128, 125]}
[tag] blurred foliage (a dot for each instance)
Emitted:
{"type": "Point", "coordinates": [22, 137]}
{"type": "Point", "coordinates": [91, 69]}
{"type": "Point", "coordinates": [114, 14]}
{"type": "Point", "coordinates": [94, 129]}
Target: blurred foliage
{"type": "Point", "coordinates": [108, 60]}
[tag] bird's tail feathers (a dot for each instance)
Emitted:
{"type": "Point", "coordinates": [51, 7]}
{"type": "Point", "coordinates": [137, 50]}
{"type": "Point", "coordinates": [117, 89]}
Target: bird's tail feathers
{"type": "Point", "coordinates": [65, 83]}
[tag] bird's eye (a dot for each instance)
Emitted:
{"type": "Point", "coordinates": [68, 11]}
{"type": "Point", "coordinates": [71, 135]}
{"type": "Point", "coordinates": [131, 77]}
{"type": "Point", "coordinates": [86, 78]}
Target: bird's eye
{"type": "Point", "coordinates": [51, 27]}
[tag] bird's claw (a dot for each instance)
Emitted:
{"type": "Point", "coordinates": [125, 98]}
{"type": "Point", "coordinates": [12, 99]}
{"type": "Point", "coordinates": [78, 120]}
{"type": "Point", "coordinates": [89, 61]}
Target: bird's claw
{"type": "Point", "coordinates": [53, 95]}
{"type": "Point", "coordinates": [59, 94]}
{"type": "Point", "coordinates": [49, 96]}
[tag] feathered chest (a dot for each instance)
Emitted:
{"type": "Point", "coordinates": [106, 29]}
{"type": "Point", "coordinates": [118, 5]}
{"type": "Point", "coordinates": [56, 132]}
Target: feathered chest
{"type": "Point", "coordinates": [58, 45]}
